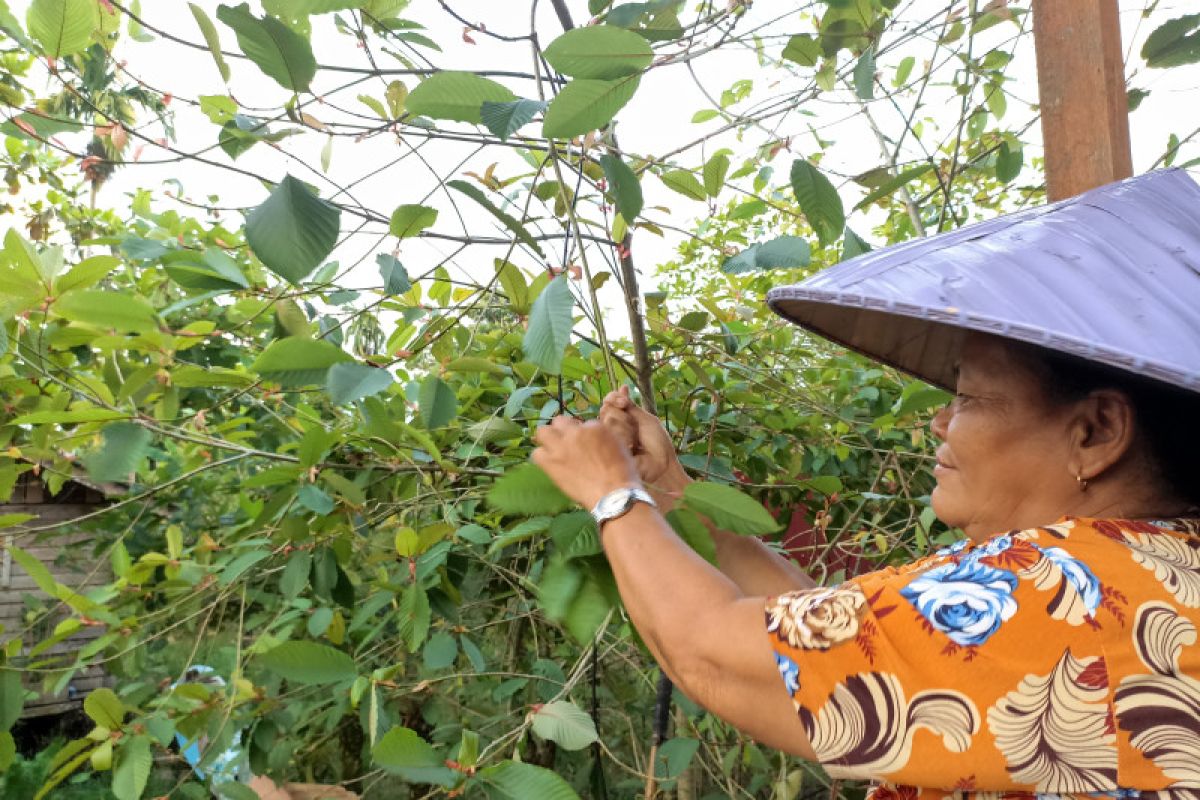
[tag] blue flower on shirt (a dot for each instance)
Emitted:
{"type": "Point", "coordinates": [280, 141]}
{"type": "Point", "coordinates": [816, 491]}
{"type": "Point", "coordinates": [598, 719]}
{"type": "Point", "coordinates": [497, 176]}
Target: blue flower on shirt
{"type": "Point", "coordinates": [994, 546]}
{"type": "Point", "coordinates": [790, 672]}
{"type": "Point", "coordinates": [953, 549]}
{"type": "Point", "coordinates": [966, 601]}
{"type": "Point", "coordinates": [1075, 572]}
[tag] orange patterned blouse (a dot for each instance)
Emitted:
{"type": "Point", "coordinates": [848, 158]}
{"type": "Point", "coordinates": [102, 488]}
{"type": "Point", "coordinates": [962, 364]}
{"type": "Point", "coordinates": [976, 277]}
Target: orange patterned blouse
{"type": "Point", "coordinates": [1061, 660]}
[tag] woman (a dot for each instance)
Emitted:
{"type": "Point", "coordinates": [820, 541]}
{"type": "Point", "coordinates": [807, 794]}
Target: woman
{"type": "Point", "coordinates": [1055, 650]}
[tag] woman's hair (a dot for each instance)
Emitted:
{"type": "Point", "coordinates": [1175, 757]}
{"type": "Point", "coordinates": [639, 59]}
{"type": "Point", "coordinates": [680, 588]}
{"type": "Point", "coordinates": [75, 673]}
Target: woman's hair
{"type": "Point", "coordinates": [1166, 416]}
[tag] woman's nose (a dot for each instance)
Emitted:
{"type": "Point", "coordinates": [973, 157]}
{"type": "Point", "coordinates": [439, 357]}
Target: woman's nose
{"type": "Point", "coordinates": [939, 422]}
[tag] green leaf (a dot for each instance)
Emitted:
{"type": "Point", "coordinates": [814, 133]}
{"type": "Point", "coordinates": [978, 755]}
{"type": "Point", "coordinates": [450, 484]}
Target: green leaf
{"type": "Point", "coordinates": [1010, 159]}
{"type": "Point", "coordinates": [213, 271]}
{"type": "Point", "coordinates": [72, 417]}
{"type": "Point", "coordinates": [279, 51]}
{"type": "Point", "coordinates": [440, 651]}
{"type": "Point", "coordinates": [456, 95]}
{"type": "Point", "coordinates": [685, 183]}
{"type": "Point", "coordinates": [121, 453]}
{"type": "Point", "coordinates": [889, 186]}
{"type": "Point", "coordinates": [36, 570]}
{"type": "Point", "coordinates": [565, 724]}
{"type": "Point", "coordinates": [211, 38]}
{"type": "Point", "coordinates": [674, 757]}
{"type": "Point", "coordinates": [42, 126]}
{"type": "Point", "coordinates": [549, 330]}
{"type": "Point", "coordinates": [314, 499]}
{"type": "Point", "coordinates": [803, 49]}
{"type": "Point", "coordinates": [240, 565]}
{"type": "Point", "coordinates": [1174, 43]}
{"type": "Point", "coordinates": [403, 752]}
{"type": "Point", "coordinates": [624, 185]}
{"type": "Point", "coordinates": [296, 361]}
{"type": "Point", "coordinates": [350, 382]}
{"type": "Point", "coordinates": [917, 398]}
{"type": "Point", "coordinates": [600, 52]}
{"type": "Point", "coordinates": [104, 708]}
{"type": "Point", "coordinates": [728, 508]}
{"type": "Point", "coordinates": [784, 252]}
{"type": "Point", "coordinates": [904, 70]}
{"type": "Point", "coordinates": [409, 220]}
{"type": "Point", "coordinates": [476, 194]}
{"type": "Point", "coordinates": [12, 697]}
{"type": "Point", "coordinates": [63, 27]}
{"type": "Point", "coordinates": [818, 200]}
{"type": "Point", "coordinates": [585, 105]}
{"type": "Point", "coordinates": [209, 377]}
{"type": "Point", "coordinates": [86, 273]}
{"type": "Point", "coordinates": [527, 491]}
{"type": "Point", "coordinates": [293, 230]}
{"type": "Point", "coordinates": [133, 768]}
{"type": "Point", "coordinates": [309, 663]}
{"type": "Point", "coordinates": [124, 313]}
{"type": "Point", "coordinates": [413, 623]}
{"type": "Point", "coordinates": [505, 119]}
{"type": "Point", "coordinates": [436, 403]}
{"type": "Point", "coordinates": [853, 245]}
{"type": "Point", "coordinates": [295, 574]}
{"type": "Point", "coordinates": [694, 532]}
{"type": "Point", "coordinates": [514, 780]}
{"type": "Point", "coordinates": [8, 751]}
{"type": "Point", "coordinates": [395, 276]}
{"type": "Point", "coordinates": [475, 364]}
{"type": "Point", "coordinates": [864, 75]}
{"type": "Point", "coordinates": [715, 171]}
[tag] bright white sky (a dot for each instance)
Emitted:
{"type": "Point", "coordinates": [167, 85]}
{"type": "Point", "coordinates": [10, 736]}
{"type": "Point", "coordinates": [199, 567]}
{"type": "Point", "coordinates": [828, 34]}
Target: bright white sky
{"type": "Point", "coordinates": [656, 122]}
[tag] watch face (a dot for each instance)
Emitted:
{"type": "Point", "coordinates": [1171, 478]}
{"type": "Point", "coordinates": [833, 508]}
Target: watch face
{"type": "Point", "coordinates": [614, 503]}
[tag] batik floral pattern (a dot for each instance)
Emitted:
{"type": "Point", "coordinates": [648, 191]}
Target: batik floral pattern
{"type": "Point", "coordinates": [1056, 663]}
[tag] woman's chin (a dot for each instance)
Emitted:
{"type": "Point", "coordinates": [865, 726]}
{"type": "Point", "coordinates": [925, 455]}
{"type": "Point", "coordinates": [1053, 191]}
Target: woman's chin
{"type": "Point", "coordinates": [943, 507]}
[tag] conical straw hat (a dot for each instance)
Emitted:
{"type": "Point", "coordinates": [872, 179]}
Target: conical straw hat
{"type": "Point", "coordinates": [1111, 276]}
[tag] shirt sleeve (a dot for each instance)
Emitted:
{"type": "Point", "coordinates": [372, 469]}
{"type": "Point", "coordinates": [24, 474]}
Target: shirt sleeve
{"type": "Point", "coordinates": [932, 674]}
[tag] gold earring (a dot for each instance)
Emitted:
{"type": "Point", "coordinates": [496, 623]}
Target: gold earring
{"type": "Point", "coordinates": [1082, 481]}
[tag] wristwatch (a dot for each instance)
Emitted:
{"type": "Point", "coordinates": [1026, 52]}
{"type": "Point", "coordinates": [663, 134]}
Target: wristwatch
{"type": "Point", "coordinates": [618, 502]}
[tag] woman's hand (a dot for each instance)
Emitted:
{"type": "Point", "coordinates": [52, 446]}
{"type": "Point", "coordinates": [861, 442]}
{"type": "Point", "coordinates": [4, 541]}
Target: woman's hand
{"type": "Point", "coordinates": [585, 459]}
{"type": "Point", "coordinates": [648, 441]}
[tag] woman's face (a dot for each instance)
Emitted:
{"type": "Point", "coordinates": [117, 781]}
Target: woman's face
{"type": "Point", "coordinates": [1003, 459]}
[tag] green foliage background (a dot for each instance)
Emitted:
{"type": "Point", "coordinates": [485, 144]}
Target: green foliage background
{"type": "Point", "coordinates": [321, 491]}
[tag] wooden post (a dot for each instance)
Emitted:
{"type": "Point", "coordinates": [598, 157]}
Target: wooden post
{"type": "Point", "coordinates": [1081, 82]}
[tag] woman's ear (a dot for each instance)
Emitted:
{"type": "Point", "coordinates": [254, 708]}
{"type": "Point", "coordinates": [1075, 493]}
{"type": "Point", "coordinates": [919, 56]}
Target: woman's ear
{"type": "Point", "coordinates": [1103, 432]}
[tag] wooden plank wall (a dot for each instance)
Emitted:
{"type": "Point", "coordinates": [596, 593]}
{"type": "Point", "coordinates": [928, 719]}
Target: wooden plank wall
{"type": "Point", "coordinates": [67, 553]}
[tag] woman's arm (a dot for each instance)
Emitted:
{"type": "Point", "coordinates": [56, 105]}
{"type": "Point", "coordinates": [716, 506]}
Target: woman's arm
{"type": "Point", "coordinates": [747, 561]}
{"type": "Point", "coordinates": [708, 635]}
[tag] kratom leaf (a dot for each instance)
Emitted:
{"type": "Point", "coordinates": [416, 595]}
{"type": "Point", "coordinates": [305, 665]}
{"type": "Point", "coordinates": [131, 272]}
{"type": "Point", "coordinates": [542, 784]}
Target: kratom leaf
{"type": "Point", "coordinates": [803, 49]}
{"type": "Point", "coordinates": [1174, 43]}
{"type": "Point", "coordinates": [8, 750]}
{"type": "Point", "coordinates": [123, 313]}
{"type": "Point", "coordinates": [440, 651]}
{"type": "Point", "coordinates": [456, 96]}
{"type": "Point", "coordinates": [281, 53]}
{"type": "Point", "coordinates": [818, 200]}
{"type": "Point", "coordinates": [395, 276]}
{"type": "Point", "coordinates": [601, 52]}
{"type": "Point", "coordinates": [293, 230]}
{"type": "Point", "coordinates": [412, 624]}
{"type": "Point", "coordinates": [296, 361]}
{"type": "Point", "coordinates": [410, 220]}
{"type": "Point", "coordinates": [728, 508]}
{"type": "Point", "coordinates": [784, 252]}
{"type": "Point", "coordinates": [104, 708]}
{"type": "Point", "coordinates": [121, 453]}
{"type": "Point", "coordinates": [63, 27]}
{"type": "Point", "coordinates": [892, 184]}
{"type": "Point", "coordinates": [132, 770]}
{"type": "Point", "coordinates": [348, 382]}
{"type": "Point", "coordinates": [674, 757]}
{"type": "Point", "coordinates": [403, 752]}
{"type": "Point", "coordinates": [309, 663]}
{"type": "Point", "coordinates": [12, 697]}
{"type": "Point", "coordinates": [624, 185]}
{"type": "Point", "coordinates": [436, 403]}
{"type": "Point", "coordinates": [565, 724]}
{"type": "Point", "coordinates": [549, 330]}
{"type": "Point", "coordinates": [715, 171]}
{"type": "Point", "coordinates": [586, 105]}
{"type": "Point", "coordinates": [864, 75]}
{"type": "Point", "coordinates": [505, 119]}
{"type": "Point", "coordinates": [211, 38]}
{"type": "Point", "coordinates": [514, 780]}
{"type": "Point", "coordinates": [71, 417]}
{"type": "Point", "coordinates": [510, 222]}
{"type": "Point", "coordinates": [526, 490]}
{"type": "Point", "coordinates": [685, 183]}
